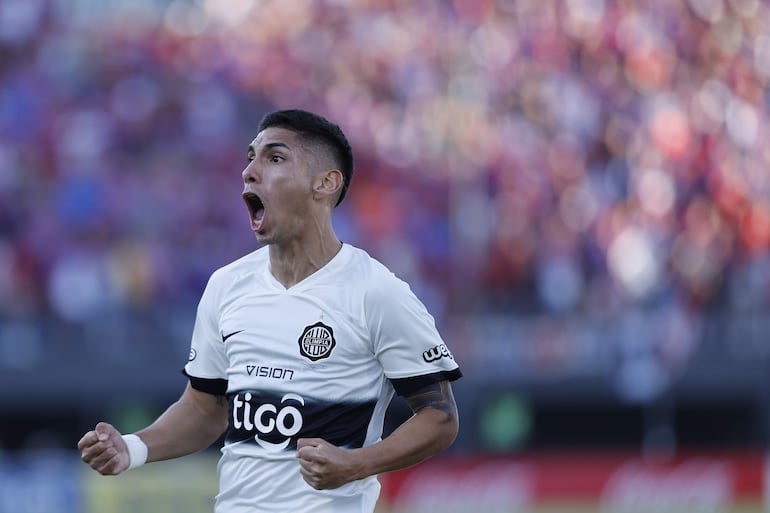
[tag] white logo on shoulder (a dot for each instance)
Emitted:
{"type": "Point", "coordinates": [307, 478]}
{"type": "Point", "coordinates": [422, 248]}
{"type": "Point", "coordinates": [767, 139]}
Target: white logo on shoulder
{"type": "Point", "coordinates": [436, 353]}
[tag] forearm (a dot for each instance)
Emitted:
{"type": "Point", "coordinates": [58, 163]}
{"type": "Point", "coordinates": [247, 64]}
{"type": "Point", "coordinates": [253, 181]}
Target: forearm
{"type": "Point", "coordinates": [432, 429]}
{"type": "Point", "coordinates": [427, 433]}
{"type": "Point", "coordinates": [187, 426]}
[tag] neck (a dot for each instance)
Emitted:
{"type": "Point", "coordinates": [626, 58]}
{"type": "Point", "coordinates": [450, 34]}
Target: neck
{"type": "Point", "coordinates": [292, 262]}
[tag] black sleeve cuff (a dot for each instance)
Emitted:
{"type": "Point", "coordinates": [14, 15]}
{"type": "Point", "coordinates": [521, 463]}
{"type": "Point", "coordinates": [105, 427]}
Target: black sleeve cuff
{"type": "Point", "coordinates": [213, 386]}
{"type": "Point", "coordinates": [408, 386]}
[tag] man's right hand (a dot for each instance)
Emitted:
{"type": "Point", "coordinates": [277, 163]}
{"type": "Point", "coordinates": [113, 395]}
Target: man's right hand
{"type": "Point", "coordinates": [104, 450]}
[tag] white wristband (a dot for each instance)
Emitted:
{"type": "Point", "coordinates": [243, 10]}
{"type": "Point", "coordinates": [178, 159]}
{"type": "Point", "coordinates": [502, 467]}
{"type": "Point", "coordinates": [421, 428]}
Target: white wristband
{"type": "Point", "coordinates": [137, 451]}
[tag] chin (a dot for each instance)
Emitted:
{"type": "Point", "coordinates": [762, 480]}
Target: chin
{"type": "Point", "coordinates": [264, 238]}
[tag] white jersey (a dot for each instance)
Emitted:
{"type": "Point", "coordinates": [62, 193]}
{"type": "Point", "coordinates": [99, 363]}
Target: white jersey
{"type": "Point", "coordinates": [320, 359]}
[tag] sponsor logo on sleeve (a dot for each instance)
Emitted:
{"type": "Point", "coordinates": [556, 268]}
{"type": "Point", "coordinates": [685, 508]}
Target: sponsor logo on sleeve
{"type": "Point", "coordinates": [193, 355]}
{"type": "Point", "coordinates": [316, 341]}
{"type": "Point", "coordinates": [436, 353]}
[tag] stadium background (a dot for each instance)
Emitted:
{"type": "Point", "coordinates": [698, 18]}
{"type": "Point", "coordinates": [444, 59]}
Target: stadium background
{"type": "Point", "coordinates": [577, 189]}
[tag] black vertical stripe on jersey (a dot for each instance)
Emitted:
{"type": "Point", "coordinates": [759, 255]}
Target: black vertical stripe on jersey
{"type": "Point", "coordinates": [343, 424]}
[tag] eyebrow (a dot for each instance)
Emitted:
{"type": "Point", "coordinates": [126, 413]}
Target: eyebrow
{"type": "Point", "coordinates": [270, 146]}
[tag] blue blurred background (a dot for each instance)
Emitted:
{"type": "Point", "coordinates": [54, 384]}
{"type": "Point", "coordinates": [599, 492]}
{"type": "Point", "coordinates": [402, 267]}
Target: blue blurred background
{"type": "Point", "coordinates": [579, 190]}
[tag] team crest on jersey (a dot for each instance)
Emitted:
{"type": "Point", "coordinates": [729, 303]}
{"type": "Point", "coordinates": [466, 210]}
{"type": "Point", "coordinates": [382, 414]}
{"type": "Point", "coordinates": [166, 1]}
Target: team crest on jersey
{"type": "Point", "coordinates": [317, 341]}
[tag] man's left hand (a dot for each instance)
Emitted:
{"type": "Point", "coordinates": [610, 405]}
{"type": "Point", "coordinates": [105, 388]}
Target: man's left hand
{"type": "Point", "coordinates": [325, 466]}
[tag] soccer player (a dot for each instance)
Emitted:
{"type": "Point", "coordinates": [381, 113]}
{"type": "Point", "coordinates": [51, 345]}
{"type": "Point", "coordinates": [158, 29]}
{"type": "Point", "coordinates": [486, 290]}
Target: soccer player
{"type": "Point", "coordinates": [298, 349]}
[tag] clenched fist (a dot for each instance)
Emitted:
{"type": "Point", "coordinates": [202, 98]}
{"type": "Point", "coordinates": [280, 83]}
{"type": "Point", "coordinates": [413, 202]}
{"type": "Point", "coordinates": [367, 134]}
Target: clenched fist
{"type": "Point", "coordinates": [104, 450]}
{"type": "Point", "coordinates": [324, 466]}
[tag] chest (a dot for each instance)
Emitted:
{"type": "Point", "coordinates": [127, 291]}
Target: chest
{"type": "Point", "coordinates": [310, 332]}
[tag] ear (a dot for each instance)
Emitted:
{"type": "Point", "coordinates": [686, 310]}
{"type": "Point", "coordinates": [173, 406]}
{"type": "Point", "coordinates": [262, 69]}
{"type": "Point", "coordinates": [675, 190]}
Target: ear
{"type": "Point", "coordinates": [328, 184]}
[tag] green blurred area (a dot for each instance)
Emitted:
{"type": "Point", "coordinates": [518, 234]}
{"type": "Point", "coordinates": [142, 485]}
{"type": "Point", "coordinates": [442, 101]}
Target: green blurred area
{"type": "Point", "coordinates": [178, 486]}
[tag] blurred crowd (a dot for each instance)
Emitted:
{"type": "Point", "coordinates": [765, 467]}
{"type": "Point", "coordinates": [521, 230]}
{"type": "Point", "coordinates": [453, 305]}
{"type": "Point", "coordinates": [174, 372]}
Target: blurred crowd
{"type": "Point", "coordinates": [570, 158]}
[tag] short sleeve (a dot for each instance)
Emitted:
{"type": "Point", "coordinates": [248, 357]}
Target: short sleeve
{"type": "Point", "coordinates": [207, 363]}
{"type": "Point", "coordinates": [404, 336]}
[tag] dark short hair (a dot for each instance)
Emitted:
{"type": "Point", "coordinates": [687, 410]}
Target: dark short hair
{"type": "Point", "coordinates": [316, 129]}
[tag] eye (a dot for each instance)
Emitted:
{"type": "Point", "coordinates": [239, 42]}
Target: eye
{"type": "Point", "coordinates": [276, 159]}
{"type": "Point", "coordinates": [250, 156]}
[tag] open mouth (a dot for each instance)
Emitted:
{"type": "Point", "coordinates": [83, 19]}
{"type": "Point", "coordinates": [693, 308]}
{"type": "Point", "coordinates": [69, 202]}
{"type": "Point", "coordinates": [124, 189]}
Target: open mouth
{"type": "Point", "coordinates": [256, 209]}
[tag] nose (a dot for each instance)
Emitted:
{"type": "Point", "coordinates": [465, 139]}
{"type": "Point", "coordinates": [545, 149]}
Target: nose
{"type": "Point", "coordinates": [250, 174]}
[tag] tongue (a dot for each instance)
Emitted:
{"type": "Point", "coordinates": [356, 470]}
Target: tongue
{"type": "Point", "coordinates": [259, 216]}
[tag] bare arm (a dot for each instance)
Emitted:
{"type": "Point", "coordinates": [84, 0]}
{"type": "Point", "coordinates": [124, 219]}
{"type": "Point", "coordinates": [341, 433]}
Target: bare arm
{"type": "Point", "coordinates": [191, 424]}
{"type": "Point", "coordinates": [432, 429]}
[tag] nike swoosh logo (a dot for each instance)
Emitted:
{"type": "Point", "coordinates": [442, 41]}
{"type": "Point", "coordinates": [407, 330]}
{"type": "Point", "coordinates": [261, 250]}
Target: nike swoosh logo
{"type": "Point", "coordinates": [225, 337]}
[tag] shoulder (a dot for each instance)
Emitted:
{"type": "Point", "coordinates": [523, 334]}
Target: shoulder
{"type": "Point", "coordinates": [236, 269]}
{"type": "Point", "coordinates": [372, 273]}
{"type": "Point", "coordinates": [377, 281]}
